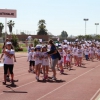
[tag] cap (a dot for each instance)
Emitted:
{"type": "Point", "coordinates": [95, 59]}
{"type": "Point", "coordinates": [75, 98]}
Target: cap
{"type": "Point", "coordinates": [8, 43]}
{"type": "Point", "coordinates": [60, 47]}
{"type": "Point", "coordinates": [32, 48]}
{"type": "Point", "coordinates": [38, 47]}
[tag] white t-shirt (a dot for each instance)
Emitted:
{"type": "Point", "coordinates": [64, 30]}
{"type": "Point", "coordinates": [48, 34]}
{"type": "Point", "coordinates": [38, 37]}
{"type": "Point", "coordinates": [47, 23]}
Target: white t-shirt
{"type": "Point", "coordinates": [31, 56]}
{"type": "Point", "coordinates": [45, 60]}
{"type": "Point", "coordinates": [64, 53]}
{"type": "Point", "coordinates": [80, 52]}
{"type": "Point", "coordinates": [98, 52]}
{"type": "Point", "coordinates": [38, 56]}
{"type": "Point", "coordinates": [91, 50]}
{"type": "Point", "coordinates": [68, 57]}
{"type": "Point", "coordinates": [8, 60]}
{"type": "Point", "coordinates": [86, 51]}
{"type": "Point", "coordinates": [75, 51]}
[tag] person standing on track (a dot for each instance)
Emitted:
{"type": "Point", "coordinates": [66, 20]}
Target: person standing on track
{"type": "Point", "coordinates": [8, 61]}
{"type": "Point", "coordinates": [60, 62]}
{"type": "Point", "coordinates": [45, 62]}
{"type": "Point", "coordinates": [75, 54]}
{"type": "Point", "coordinates": [54, 58]}
{"type": "Point", "coordinates": [3, 48]}
{"type": "Point", "coordinates": [80, 55]}
{"type": "Point", "coordinates": [31, 60]}
{"type": "Point", "coordinates": [38, 61]}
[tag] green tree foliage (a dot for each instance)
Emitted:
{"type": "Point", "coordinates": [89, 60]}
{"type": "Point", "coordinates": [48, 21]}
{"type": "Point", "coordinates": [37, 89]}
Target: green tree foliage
{"type": "Point", "coordinates": [14, 41]}
{"type": "Point", "coordinates": [88, 37]}
{"type": "Point", "coordinates": [1, 28]}
{"type": "Point", "coordinates": [64, 35]}
{"type": "Point", "coordinates": [35, 41]}
{"type": "Point", "coordinates": [42, 28]}
{"type": "Point", "coordinates": [10, 25]}
{"type": "Point", "coordinates": [22, 33]}
{"type": "Point", "coordinates": [80, 37]}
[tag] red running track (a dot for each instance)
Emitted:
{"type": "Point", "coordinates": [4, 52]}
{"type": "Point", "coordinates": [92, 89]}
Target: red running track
{"type": "Point", "coordinates": [81, 83]}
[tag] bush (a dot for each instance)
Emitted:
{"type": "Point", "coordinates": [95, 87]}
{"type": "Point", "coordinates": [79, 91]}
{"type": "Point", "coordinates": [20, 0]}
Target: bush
{"type": "Point", "coordinates": [35, 41]}
{"type": "Point", "coordinates": [20, 49]}
{"type": "Point", "coordinates": [14, 41]}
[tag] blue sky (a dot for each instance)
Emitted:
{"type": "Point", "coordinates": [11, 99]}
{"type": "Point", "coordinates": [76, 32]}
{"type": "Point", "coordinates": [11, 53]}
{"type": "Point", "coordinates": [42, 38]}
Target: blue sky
{"type": "Point", "coordinates": [59, 15]}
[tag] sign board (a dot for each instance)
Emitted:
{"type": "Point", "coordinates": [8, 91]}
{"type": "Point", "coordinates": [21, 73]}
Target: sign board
{"type": "Point", "coordinates": [8, 13]}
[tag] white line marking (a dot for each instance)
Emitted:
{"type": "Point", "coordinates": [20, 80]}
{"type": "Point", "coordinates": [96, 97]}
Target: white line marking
{"type": "Point", "coordinates": [67, 83]}
{"type": "Point", "coordinates": [20, 75]}
{"type": "Point", "coordinates": [21, 86]}
{"type": "Point", "coordinates": [95, 94]}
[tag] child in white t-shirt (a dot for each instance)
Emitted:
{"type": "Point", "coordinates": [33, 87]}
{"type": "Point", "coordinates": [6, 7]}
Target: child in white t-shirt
{"type": "Point", "coordinates": [45, 62]}
{"type": "Point", "coordinates": [31, 60]}
{"type": "Point", "coordinates": [8, 61]}
{"type": "Point", "coordinates": [98, 53]}
{"type": "Point", "coordinates": [38, 61]}
{"type": "Point", "coordinates": [60, 62]}
{"type": "Point", "coordinates": [86, 52]}
{"type": "Point", "coordinates": [91, 52]}
{"type": "Point", "coordinates": [80, 55]}
{"type": "Point", "coordinates": [75, 54]}
{"type": "Point", "coordinates": [68, 59]}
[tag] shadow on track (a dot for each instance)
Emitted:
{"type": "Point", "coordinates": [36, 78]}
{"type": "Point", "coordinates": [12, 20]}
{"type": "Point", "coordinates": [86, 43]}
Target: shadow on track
{"type": "Point", "coordinates": [14, 92]}
{"type": "Point", "coordinates": [51, 81]}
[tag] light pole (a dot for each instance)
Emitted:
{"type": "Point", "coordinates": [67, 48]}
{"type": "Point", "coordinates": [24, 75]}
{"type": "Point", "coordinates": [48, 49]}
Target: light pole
{"type": "Point", "coordinates": [85, 19]}
{"type": "Point", "coordinates": [96, 27]}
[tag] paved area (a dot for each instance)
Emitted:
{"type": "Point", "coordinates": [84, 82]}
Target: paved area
{"type": "Point", "coordinates": [81, 83]}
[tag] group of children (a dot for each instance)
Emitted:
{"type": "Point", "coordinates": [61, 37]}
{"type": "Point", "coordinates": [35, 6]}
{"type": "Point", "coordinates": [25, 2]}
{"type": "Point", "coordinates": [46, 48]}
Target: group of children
{"type": "Point", "coordinates": [71, 54]}
{"type": "Point", "coordinates": [40, 61]}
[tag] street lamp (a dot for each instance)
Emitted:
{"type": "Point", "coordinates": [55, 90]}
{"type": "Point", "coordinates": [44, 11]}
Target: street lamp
{"type": "Point", "coordinates": [85, 19]}
{"type": "Point", "coordinates": [96, 26]}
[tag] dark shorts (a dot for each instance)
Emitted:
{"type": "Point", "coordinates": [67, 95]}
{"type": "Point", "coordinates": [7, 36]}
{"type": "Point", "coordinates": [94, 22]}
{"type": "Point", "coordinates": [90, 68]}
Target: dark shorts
{"type": "Point", "coordinates": [8, 66]}
{"type": "Point", "coordinates": [32, 63]}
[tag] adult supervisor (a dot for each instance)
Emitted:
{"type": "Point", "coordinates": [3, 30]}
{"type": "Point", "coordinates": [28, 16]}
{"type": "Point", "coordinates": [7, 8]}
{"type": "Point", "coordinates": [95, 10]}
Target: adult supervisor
{"type": "Point", "coordinates": [54, 58]}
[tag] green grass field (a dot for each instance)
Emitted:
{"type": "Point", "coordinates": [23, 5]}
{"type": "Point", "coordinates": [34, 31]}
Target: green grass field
{"type": "Point", "coordinates": [22, 45]}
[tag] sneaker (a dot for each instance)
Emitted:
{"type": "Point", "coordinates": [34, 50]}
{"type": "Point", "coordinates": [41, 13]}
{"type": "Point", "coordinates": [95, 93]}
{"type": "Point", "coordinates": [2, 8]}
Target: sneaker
{"type": "Point", "coordinates": [37, 78]}
{"type": "Point", "coordinates": [61, 71]}
{"type": "Point", "coordinates": [44, 78]}
{"type": "Point", "coordinates": [53, 78]}
{"type": "Point", "coordinates": [12, 81]}
{"type": "Point", "coordinates": [8, 79]}
{"type": "Point", "coordinates": [4, 83]}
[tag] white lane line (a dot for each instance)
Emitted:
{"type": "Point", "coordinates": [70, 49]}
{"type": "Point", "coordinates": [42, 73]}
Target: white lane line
{"type": "Point", "coordinates": [99, 99]}
{"type": "Point", "coordinates": [95, 94]}
{"type": "Point", "coordinates": [67, 83]}
{"type": "Point", "coordinates": [21, 86]}
{"type": "Point", "coordinates": [19, 75]}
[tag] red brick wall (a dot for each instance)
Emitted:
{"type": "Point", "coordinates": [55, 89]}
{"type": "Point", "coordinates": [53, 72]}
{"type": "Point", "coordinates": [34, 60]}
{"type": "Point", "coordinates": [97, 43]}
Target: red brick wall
{"type": "Point", "coordinates": [24, 37]}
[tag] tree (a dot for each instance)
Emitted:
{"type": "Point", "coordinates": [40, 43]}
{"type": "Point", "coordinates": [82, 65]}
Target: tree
{"type": "Point", "coordinates": [64, 35]}
{"type": "Point", "coordinates": [10, 25]}
{"type": "Point", "coordinates": [35, 41]}
{"type": "Point", "coordinates": [22, 33]}
{"type": "Point", "coordinates": [1, 28]}
{"type": "Point", "coordinates": [88, 37]}
{"type": "Point", "coordinates": [80, 37]}
{"type": "Point", "coordinates": [42, 28]}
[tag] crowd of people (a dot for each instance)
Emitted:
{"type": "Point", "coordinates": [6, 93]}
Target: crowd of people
{"type": "Point", "coordinates": [51, 56]}
{"type": "Point", "coordinates": [60, 56]}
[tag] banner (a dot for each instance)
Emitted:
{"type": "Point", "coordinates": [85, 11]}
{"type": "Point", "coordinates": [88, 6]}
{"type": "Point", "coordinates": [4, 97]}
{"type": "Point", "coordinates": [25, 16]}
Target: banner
{"type": "Point", "coordinates": [8, 13]}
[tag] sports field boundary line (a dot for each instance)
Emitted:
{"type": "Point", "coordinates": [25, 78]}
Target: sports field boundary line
{"type": "Point", "coordinates": [94, 96]}
{"type": "Point", "coordinates": [67, 83]}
